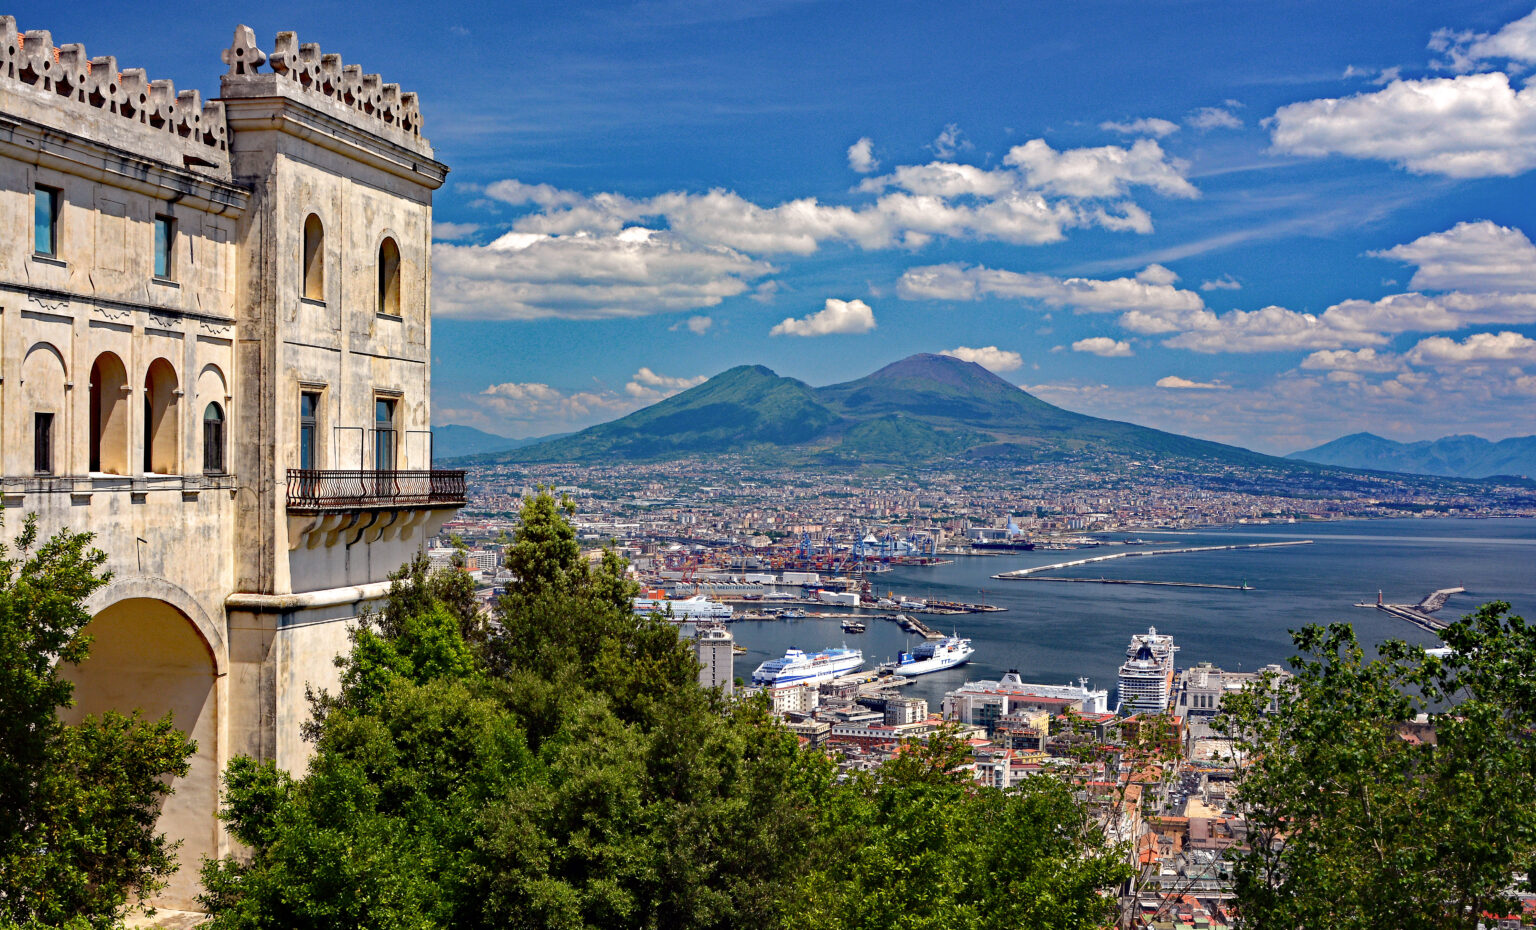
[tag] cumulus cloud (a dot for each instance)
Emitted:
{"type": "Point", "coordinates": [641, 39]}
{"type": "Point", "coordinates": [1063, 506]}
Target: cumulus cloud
{"type": "Point", "coordinates": [1439, 351]}
{"type": "Point", "coordinates": [1220, 117]}
{"type": "Point", "coordinates": [1477, 256]}
{"type": "Point", "coordinates": [1103, 172]}
{"type": "Point", "coordinates": [1360, 361]}
{"type": "Point", "coordinates": [1516, 42]}
{"type": "Point", "coordinates": [1151, 290]}
{"type": "Point", "coordinates": [632, 272]}
{"type": "Point", "coordinates": [698, 325]}
{"type": "Point", "coordinates": [1103, 346]}
{"type": "Point", "coordinates": [861, 156]}
{"type": "Point", "coordinates": [1224, 283]}
{"type": "Point", "coordinates": [445, 230]}
{"type": "Point", "coordinates": [1468, 126]}
{"type": "Point", "coordinates": [1174, 382]}
{"type": "Point", "coordinates": [838, 316]}
{"type": "Point", "coordinates": [551, 407]}
{"type": "Point", "coordinates": [650, 387]}
{"type": "Point", "coordinates": [1267, 330]}
{"type": "Point", "coordinates": [1150, 126]}
{"type": "Point", "coordinates": [950, 142]}
{"type": "Point", "coordinates": [989, 357]}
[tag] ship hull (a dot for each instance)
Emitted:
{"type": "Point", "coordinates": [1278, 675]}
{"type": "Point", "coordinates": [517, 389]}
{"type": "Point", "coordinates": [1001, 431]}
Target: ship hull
{"type": "Point", "coordinates": [929, 666]}
{"type": "Point", "coordinates": [807, 673]}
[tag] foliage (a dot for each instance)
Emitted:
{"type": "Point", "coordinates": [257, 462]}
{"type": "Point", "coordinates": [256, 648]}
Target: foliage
{"type": "Point", "coordinates": [918, 845]}
{"type": "Point", "coordinates": [1359, 816]}
{"type": "Point", "coordinates": [567, 771]}
{"type": "Point", "coordinates": [77, 844]}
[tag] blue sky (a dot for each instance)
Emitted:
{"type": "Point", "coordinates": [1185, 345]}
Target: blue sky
{"type": "Point", "coordinates": [1268, 224]}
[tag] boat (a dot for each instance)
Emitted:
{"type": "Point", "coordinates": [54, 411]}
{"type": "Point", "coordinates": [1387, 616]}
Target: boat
{"type": "Point", "coordinates": [932, 656]}
{"type": "Point", "coordinates": [798, 667]}
{"type": "Point", "coordinates": [697, 607]}
{"type": "Point", "coordinates": [851, 625]}
{"type": "Point", "coordinates": [792, 613]}
{"type": "Point", "coordinates": [1008, 545]}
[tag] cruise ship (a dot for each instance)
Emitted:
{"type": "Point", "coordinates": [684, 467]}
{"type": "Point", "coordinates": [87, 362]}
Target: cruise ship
{"type": "Point", "coordinates": [1146, 678]}
{"type": "Point", "coordinates": [932, 656]}
{"type": "Point", "coordinates": [799, 667]}
{"type": "Point", "coordinates": [693, 608]}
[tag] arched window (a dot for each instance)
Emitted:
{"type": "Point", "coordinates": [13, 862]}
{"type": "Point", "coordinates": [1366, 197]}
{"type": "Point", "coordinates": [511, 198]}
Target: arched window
{"type": "Point", "coordinates": [213, 439]}
{"type": "Point", "coordinates": [389, 278]}
{"type": "Point", "coordinates": [160, 445]}
{"type": "Point", "coordinates": [109, 415]}
{"type": "Point", "coordinates": [314, 258]}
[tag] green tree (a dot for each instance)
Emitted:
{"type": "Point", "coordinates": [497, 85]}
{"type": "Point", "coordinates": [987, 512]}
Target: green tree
{"type": "Point", "coordinates": [77, 840]}
{"type": "Point", "coordinates": [1363, 813]}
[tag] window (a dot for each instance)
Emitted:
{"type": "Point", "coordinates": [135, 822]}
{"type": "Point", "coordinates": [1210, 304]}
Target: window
{"type": "Point", "coordinates": [309, 427]}
{"type": "Point", "coordinates": [165, 246]}
{"type": "Point", "coordinates": [383, 435]}
{"type": "Point", "coordinates": [42, 443]}
{"type": "Point", "coordinates": [45, 220]}
{"type": "Point", "coordinates": [389, 278]}
{"type": "Point", "coordinates": [314, 258]}
{"type": "Point", "coordinates": [213, 440]}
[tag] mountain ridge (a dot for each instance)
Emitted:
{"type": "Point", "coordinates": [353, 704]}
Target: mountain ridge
{"type": "Point", "coordinates": [1459, 455]}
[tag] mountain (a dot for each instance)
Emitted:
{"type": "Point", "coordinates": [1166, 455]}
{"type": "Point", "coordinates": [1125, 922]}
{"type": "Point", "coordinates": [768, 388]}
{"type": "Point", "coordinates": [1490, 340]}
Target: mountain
{"type": "Point", "coordinates": [921, 408]}
{"type": "Point", "coordinates": [453, 441]}
{"type": "Point", "coordinates": [1460, 456]}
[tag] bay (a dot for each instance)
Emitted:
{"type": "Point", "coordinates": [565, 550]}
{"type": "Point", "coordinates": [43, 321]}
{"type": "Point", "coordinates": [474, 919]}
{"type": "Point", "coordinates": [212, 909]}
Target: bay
{"type": "Point", "coordinates": [1054, 633]}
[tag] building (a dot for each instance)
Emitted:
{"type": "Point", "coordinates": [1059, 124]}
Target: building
{"type": "Point", "coordinates": [1201, 689]}
{"type": "Point", "coordinates": [984, 703]}
{"type": "Point", "coordinates": [1146, 678]}
{"type": "Point", "coordinates": [717, 660]}
{"type": "Point", "coordinates": [214, 354]}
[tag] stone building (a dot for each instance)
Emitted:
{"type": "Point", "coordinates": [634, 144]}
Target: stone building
{"type": "Point", "coordinates": [214, 354]}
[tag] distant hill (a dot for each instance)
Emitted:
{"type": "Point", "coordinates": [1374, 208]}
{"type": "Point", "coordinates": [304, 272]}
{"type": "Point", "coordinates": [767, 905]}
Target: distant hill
{"type": "Point", "coordinates": [453, 441]}
{"type": "Point", "coordinates": [919, 409]}
{"type": "Point", "coordinates": [1461, 456]}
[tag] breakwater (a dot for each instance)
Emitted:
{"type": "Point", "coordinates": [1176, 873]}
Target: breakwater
{"type": "Point", "coordinates": [1024, 573]}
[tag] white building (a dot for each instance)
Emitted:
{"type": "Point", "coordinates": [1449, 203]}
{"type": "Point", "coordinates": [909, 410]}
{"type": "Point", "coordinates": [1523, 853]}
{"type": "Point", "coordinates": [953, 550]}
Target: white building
{"type": "Point", "coordinates": [717, 662]}
{"type": "Point", "coordinates": [1202, 688]}
{"type": "Point", "coordinates": [215, 344]}
{"type": "Point", "coordinates": [1146, 678]}
{"type": "Point", "coordinates": [982, 703]}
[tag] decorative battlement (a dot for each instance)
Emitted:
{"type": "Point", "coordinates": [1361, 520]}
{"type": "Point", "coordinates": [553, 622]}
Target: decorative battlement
{"type": "Point", "coordinates": [30, 58]}
{"type": "Point", "coordinates": [307, 68]}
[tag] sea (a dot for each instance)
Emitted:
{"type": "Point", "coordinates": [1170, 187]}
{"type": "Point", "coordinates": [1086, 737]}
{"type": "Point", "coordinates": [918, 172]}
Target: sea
{"type": "Point", "coordinates": [1056, 633]}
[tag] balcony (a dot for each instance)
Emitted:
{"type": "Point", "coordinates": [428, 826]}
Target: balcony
{"type": "Point", "coordinates": [316, 491]}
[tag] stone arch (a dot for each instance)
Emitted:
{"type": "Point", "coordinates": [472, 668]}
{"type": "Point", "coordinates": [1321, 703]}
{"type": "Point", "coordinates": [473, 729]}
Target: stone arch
{"type": "Point", "coordinates": [109, 415]}
{"type": "Point", "coordinates": [313, 257]}
{"type": "Point", "coordinates": [44, 373]}
{"type": "Point", "coordinates": [161, 448]}
{"type": "Point", "coordinates": [149, 655]}
{"type": "Point", "coordinates": [389, 277]}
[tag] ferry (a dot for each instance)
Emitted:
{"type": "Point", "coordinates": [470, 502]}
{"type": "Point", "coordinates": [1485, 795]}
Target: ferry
{"type": "Point", "coordinates": [697, 607]}
{"type": "Point", "coordinates": [932, 656]}
{"type": "Point", "coordinates": [851, 625]}
{"type": "Point", "coordinates": [799, 667]}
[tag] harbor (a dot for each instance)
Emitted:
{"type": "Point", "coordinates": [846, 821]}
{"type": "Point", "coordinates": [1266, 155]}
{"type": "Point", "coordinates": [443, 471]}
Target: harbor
{"type": "Point", "coordinates": [1420, 614]}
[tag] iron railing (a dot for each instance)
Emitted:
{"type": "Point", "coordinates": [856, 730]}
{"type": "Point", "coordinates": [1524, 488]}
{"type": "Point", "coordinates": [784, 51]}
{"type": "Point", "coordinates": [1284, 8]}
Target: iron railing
{"type": "Point", "coordinates": [313, 489]}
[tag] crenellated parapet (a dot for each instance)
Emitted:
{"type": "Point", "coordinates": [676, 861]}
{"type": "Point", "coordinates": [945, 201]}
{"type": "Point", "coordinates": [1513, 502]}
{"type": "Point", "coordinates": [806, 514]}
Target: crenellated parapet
{"type": "Point", "coordinates": [305, 68]}
{"type": "Point", "coordinates": [31, 59]}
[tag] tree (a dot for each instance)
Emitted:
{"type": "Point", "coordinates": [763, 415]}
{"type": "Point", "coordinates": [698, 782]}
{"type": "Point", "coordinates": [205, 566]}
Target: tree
{"type": "Point", "coordinates": [1363, 813]}
{"type": "Point", "coordinates": [77, 841]}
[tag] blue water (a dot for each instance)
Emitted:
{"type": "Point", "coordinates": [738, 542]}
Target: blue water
{"type": "Point", "coordinates": [1053, 633]}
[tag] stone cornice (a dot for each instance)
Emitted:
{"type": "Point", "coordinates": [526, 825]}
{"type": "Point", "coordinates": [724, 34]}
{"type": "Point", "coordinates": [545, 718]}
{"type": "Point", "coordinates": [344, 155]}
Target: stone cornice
{"type": "Point", "coordinates": [49, 296]}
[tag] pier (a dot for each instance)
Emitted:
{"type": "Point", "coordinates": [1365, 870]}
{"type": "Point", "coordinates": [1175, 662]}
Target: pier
{"type": "Point", "coordinates": [1024, 573]}
{"type": "Point", "coordinates": [1419, 614]}
{"type": "Point", "coordinates": [1165, 584]}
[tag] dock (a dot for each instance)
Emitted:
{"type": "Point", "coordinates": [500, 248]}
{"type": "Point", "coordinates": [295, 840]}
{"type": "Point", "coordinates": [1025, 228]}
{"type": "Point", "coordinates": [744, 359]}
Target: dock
{"type": "Point", "coordinates": [1419, 614]}
{"type": "Point", "coordinates": [1023, 573]}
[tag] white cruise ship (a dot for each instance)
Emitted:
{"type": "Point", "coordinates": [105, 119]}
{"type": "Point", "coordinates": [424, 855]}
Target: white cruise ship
{"type": "Point", "coordinates": [798, 667]}
{"type": "Point", "coordinates": [932, 656]}
{"type": "Point", "coordinates": [697, 607]}
{"type": "Point", "coordinates": [1146, 678]}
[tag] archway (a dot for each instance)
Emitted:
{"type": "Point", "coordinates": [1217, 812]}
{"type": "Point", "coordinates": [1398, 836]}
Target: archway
{"type": "Point", "coordinates": [146, 655]}
{"type": "Point", "coordinates": [161, 455]}
{"type": "Point", "coordinates": [109, 415]}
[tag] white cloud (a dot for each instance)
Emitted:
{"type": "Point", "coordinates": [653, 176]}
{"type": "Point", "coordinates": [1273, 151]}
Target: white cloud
{"type": "Point", "coordinates": [1103, 172]}
{"type": "Point", "coordinates": [1103, 346]}
{"type": "Point", "coordinates": [650, 387]}
{"type": "Point", "coordinates": [553, 408]}
{"type": "Point", "coordinates": [1156, 274]}
{"type": "Point", "coordinates": [1440, 351]}
{"type": "Point", "coordinates": [1174, 382]}
{"type": "Point", "coordinates": [1464, 50]}
{"type": "Point", "coordinates": [861, 156]}
{"type": "Point", "coordinates": [526, 276]}
{"type": "Point", "coordinates": [698, 325]}
{"type": "Point", "coordinates": [951, 141]}
{"type": "Point", "coordinates": [1085, 295]}
{"type": "Point", "coordinates": [1359, 361]}
{"type": "Point", "coordinates": [1224, 283]}
{"type": "Point", "coordinates": [1477, 256]}
{"type": "Point", "coordinates": [1215, 117]}
{"type": "Point", "coordinates": [1468, 126]}
{"type": "Point", "coordinates": [1150, 126]}
{"type": "Point", "coordinates": [1271, 329]}
{"type": "Point", "coordinates": [989, 357]}
{"type": "Point", "coordinates": [838, 316]}
{"type": "Point", "coordinates": [445, 230]}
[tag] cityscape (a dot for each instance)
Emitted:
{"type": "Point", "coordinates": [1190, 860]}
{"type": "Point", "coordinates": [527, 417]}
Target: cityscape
{"type": "Point", "coordinates": [650, 467]}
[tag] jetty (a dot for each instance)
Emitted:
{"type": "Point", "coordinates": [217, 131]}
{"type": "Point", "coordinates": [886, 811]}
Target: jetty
{"type": "Point", "coordinates": [1419, 614]}
{"type": "Point", "coordinates": [1166, 584]}
{"type": "Point", "coordinates": [1024, 573]}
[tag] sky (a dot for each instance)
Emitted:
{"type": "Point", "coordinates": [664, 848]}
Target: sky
{"type": "Point", "coordinates": [1269, 224]}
